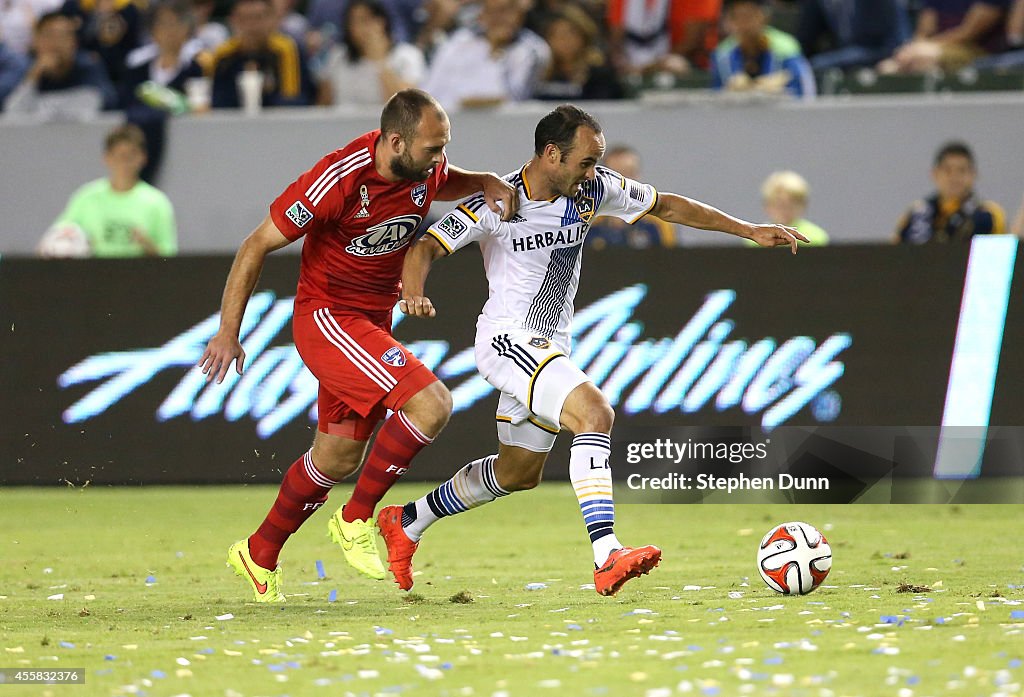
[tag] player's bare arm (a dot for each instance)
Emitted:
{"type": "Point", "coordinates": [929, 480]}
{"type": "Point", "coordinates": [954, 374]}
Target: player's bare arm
{"type": "Point", "coordinates": [462, 183]}
{"type": "Point", "coordinates": [414, 277]}
{"type": "Point", "coordinates": [225, 347]}
{"type": "Point", "coordinates": [686, 211]}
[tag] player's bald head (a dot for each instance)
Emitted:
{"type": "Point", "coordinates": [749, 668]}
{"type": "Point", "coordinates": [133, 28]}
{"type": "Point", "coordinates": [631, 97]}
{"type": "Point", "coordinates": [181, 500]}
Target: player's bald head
{"type": "Point", "coordinates": [403, 112]}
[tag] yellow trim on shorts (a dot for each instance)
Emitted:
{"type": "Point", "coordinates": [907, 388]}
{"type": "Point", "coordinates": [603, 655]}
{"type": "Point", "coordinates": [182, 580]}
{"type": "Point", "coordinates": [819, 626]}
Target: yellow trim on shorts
{"type": "Point", "coordinates": [543, 427]}
{"type": "Point", "coordinates": [503, 419]}
{"type": "Point", "coordinates": [533, 379]}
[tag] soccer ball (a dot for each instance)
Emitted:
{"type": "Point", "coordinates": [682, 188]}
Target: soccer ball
{"type": "Point", "coordinates": [794, 558]}
{"type": "Point", "coordinates": [64, 241]}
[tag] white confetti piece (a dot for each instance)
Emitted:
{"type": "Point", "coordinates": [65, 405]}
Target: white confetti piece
{"type": "Point", "coordinates": [368, 674]}
{"type": "Point", "coordinates": [226, 616]}
{"type": "Point", "coordinates": [429, 673]}
{"type": "Point", "coordinates": [550, 683]}
{"type": "Point", "coordinates": [782, 679]}
{"type": "Point", "coordinates": [56, 596]}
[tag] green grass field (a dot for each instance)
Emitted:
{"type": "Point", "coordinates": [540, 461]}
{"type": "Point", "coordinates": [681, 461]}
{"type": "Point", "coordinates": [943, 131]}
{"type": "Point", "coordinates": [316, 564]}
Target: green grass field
{"type": "Point", "coordinates": [74, 566]}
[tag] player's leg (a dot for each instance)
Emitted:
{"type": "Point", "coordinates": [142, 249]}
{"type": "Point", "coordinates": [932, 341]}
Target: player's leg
{"type": "Point", "coordinates": [587, 413]}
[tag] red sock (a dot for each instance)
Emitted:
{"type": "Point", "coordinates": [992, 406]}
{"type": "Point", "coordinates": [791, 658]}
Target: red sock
{"type": "Point", "coordinates": [303, 490]}
{"type": "Point", "coordinates": [396, 445]}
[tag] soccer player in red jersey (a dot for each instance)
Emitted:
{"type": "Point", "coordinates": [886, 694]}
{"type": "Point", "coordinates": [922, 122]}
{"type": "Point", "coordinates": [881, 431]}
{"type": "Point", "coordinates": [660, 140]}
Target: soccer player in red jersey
{"type": "Point", "coordinates": [358, 209]}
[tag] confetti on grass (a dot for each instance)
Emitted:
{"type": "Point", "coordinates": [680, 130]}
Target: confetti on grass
{"type": "Point", "coordinates": [320, 573]}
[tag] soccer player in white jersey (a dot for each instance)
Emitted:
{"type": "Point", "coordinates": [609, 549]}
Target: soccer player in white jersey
{"type": "Point", "coordinates": [523, 339]}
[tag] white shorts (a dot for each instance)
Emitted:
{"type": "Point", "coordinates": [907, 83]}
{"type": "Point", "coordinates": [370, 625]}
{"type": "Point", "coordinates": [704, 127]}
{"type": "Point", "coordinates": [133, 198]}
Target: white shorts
{"type": "Point", "coordinates": [534, 378]}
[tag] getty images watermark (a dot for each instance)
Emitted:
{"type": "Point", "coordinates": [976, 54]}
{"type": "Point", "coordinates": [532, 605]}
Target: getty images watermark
{"type": "Point", "coordinates": [715, 453]}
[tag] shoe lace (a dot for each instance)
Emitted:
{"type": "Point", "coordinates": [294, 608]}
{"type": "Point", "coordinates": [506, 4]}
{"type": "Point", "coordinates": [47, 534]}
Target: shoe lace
{"type": "Point", "coordinates": [365, 540]}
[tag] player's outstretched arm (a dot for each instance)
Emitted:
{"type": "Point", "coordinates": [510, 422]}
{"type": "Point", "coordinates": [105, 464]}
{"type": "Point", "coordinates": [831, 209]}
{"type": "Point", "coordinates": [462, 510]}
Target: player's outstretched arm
{"type": "Point", "coordinates": [462, 183]}
{"type": "Point", "coordinates": [225, 347]}
{"type": "Point", "coordinates": [686, 211]}
{"type": "Point", "coordinates": [414, 277]}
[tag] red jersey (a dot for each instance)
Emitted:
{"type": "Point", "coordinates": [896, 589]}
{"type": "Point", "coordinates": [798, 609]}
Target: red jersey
{"type": "Point", "coordinates": [358, 227]}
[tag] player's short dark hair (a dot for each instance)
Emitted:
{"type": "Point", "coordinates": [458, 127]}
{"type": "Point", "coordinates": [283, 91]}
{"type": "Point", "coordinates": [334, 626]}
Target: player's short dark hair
{"type": "Point", "coordinates": [954, 148]}
{"type": "Point", "coordinates": [125, 133]}
{"type": "Point", "coordinates": [402, 112]}
{"type": "Point", "coordinates": [559, 128]}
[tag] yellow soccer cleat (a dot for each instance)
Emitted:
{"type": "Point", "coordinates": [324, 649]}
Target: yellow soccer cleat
{"type": "Point", "coordinates": [358, 540]}
{"type": "Point", "coordinates": [265, 584]}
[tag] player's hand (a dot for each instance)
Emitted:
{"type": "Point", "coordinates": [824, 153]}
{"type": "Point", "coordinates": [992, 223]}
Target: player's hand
{"type": "Point", "coordinates": [417, 306]}
{"type": "Point", "coordinates": [498, 190]}
{"type": "Point", "coordinates": [222, 349]}
{"type": "Point", "coordinates": [775, 236]}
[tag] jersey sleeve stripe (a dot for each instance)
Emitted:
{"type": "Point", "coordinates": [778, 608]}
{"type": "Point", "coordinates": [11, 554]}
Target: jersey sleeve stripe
{"type": "Point", "coordinates": [329, 184]}
{"type": "Point", "coordinates": [468, 212]}
{"type": "Point", "coordinates": [440, 239]}
{"type": "Point", "coordinates": [654, 202]}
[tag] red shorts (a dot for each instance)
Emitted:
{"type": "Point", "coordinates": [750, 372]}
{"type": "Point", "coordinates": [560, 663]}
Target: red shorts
{"type": "Point", "coordinates": [362, 369]}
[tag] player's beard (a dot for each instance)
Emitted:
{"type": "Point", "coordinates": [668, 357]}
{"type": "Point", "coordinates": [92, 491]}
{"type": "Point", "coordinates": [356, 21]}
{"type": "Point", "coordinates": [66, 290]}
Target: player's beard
{"type": "Point", "coordinates": [403, 166]}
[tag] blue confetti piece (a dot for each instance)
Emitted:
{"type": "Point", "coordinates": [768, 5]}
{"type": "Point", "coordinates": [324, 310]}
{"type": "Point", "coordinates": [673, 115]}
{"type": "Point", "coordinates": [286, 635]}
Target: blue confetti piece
{"type": "Point", "coordinates": [574, 627]}
{"type": "Point", "coordinates": [1017, 614]}
{"type": "Point", "coordinates": [332, 596]}
{"type": "Point", "coordinates": [711, 691]}
{"type": "Point", "coordinates": [446, 666]}
{"type": "Point", "coordinates": [888, 619]}
{"type": "Point", "coordinates": [320, 574]}
{"type": "Point", "coordinates": [694, 647]}
{"type": "Point", "coordinates": [940, 620]}
{"type": "Point", "coordinates": [158, 674]}
{"type": "Point", "coordinates": [773, 661]}
{"type": "Point", "coordinates": [205, 651]}
{"type": "Point", "coordinates": [66, 645]}
{"type": "Point", "coordinates": [383, 631]}
{"type": "Point", "coordinates": [294, 665]}
{"type": "Point", "coordinates": [276, 668]}
{"type": "Point", "coordinates": [913, 680]}
{"type": "Point", "coordinates": [1014, 663]}
{"type": "Point", "coordinates": [844, 614]}
{"type": "Point", "coordinates": [110, 657]}
{"type": "Point", "coordinates": [556, 652]}
{"type": "Point", "coordinates": [151, 579]}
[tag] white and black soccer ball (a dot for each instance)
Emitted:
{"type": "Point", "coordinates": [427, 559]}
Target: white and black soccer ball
{"type": "Point", "coordinates": [794, 558]}
{"type": "Point", "coordinates": [64, 241]}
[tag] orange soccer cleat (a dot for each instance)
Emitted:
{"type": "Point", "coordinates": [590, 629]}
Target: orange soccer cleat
{"type": "Point", "coordinates": [400, 547]}
{"type": "Point", "coordinates": [623, 564]}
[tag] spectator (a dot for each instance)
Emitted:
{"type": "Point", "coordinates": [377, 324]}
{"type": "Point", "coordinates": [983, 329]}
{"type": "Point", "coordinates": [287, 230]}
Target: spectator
{"type": "Point", "coordinates": [954, 212]}
{"type": "Point", "coordinates": [645, 233]}
{"type": "Point", "coordinates": [851, 33]}
{"type": "Point", "coordinates": [437, 20]}
{"type": "Point", "coordinates": [1014, 55]}
{"type": "Point", "coordinates": [694, 31]}
{"type": "Point", "coordinates": [209, 32]}
{"type": "Point", "coordinates": [949, 35]}
{"type": "Point", "coordinates": [368, 67]}
{"type": "Point", "coordinates": [17, 19]}
{"type": "Point", "coordinates": [13, 66]}
{"type": "Point", "coordinates": [109, 28]}
{"type": "Point", "coordinates": [578, 69]}
{"type": "Point", "coordinates": [62, 82]}
{"type": "Point", "coordinates": [156, 75]}
{"type": "Point", "coordinates": [291, 22]}
{"type": "Point", "coordinates": [121, 215]}
{"type": "Point", "coordinates": [785, 195]}
{"type": "Point", "coordinates": [1017, 228]}
{"type": "Point", "coordinates": [758, 57]}
{"type": "Point", "coordinates": [256, 44]}
{"type": "Point", "coordinates": [501, 61]}
{"type": "Point", "coordinates": [640, 36]}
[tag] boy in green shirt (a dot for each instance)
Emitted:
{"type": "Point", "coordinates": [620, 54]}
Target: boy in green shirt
{"type": "Point", "coordinates": [121, 215]}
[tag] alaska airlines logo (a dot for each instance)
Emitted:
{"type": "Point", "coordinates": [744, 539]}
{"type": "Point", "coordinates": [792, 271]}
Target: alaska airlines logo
{"type": "Point", "coordinates": [386, 237]}
{"type": "Point", "coordinates": [701, 368]}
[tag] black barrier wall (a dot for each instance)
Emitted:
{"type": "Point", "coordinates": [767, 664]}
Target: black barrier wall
{"type": "Point", "coordinates": [99, 384]}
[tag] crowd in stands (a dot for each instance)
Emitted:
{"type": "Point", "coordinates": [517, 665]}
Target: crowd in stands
{"type": "Point", "coordinates": [68, 58]}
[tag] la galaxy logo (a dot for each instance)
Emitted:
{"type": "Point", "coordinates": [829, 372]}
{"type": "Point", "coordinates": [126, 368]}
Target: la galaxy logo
{"type": "Point", "coordinates": [585, 207]}
{"type": "Point", "coordinates": [394, 357]}
{"type": "Point", "coordinates": [419, 194]}
{"type": "Point", "coordinates": [540, 342]}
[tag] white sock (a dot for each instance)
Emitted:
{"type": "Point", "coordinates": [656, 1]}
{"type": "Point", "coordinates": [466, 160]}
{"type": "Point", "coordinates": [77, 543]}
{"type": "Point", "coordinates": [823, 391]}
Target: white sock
{"type": "Point", "coordinates": [472, 486]}
{"type": "Point", "coordinates": [591, 477]}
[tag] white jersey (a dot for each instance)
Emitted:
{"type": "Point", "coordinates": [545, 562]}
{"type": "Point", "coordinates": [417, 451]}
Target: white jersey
{"type": "Point", "coordinates": [532, 262]}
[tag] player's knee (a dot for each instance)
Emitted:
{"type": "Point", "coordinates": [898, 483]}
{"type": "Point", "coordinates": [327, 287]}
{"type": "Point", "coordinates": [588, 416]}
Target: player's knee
{"type": "Point", "coordinates": [597, 417]}
{"type": "Point", "coordinates": [430, 408]}
{"type": "Point", "coordinates": [334, 463]}
{"type": "Point", "coordinates": [522, 479]}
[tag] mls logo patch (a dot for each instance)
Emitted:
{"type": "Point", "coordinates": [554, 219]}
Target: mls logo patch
{"type": "Point", "coordinates": [451, 226]}
{"type": "Point", "coordinates": [299, 214]}
{"type": "Point", "coordinates": [394, 357]}
{"type": "Point", "coordinates": [540, 342]}
{"type": "Point", "coordinates": [419, 194]}
{"type": "Point", "coordinates": [585, 207]}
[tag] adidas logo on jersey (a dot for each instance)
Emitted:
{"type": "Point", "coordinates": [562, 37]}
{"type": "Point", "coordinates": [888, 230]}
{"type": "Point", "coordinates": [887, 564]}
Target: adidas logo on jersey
{"type": "Point", "coordinates": [363, 213]}
{"type": "Point", "coordinates": [516, 218]}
